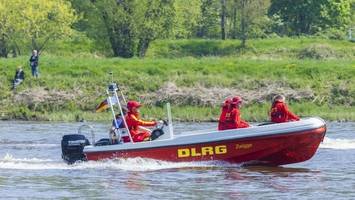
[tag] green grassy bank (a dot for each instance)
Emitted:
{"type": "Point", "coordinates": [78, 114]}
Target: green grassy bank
{"type": "Point", "coordinates": [70, 87]}
{"type": "Point", "coordinates": [254, 113]}
{"type": "Point", "coordinates": [278, 48]}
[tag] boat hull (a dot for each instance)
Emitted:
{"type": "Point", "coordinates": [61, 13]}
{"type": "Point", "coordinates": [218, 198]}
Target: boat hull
{"type": "Point", "coordinates": [276, 149]}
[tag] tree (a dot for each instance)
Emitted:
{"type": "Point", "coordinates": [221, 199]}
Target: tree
{"type": "Point", "coordinates": [223, 19]}
{"type": "Point", "coordinates": [118, 18]}
{"type": "Point", "coordinates": [91, 24]}
{"type": "Point", "coordinates": [299, 16]}
{"type": "Point", "coordinates": [5, 29]}
{"type": "Point", "coordinates": [335, 14]}
{"type": "Point", "coordinates": [128, 26]}
{"type": "Point", "coordinates": [310, 16]}
{"type": "Point", "coordinates": [249, 12]}
{"type": "Point", "coordinates": [233, 11]}
{"type": "Point", "coordinates": [209, 22]}
{"type": "Point", "coordinates": [352, 11]}
{"type": "Point", "coordinates": [45, 20]}
{"type": "Point", "coordinates": [187, 17]}
{"type": "Point", "coordinates": [156, 22]}
{"type": "Point", "coordinates": [9, 27]}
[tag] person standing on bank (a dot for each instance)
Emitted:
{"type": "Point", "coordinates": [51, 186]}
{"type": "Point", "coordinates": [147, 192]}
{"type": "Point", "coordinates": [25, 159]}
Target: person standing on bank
{"type": "Point", "coordinates": [34, 63]}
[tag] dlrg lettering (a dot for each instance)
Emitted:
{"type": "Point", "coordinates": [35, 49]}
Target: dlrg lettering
{"type": "Point", "coordinates": [203, 151]}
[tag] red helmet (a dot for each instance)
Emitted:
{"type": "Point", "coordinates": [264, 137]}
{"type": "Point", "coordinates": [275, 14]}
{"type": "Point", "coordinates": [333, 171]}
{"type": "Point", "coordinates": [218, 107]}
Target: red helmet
{"type": "Point", "coordinates": [237, 100]}
{"type": "Point", "coordinates": [133, 104]}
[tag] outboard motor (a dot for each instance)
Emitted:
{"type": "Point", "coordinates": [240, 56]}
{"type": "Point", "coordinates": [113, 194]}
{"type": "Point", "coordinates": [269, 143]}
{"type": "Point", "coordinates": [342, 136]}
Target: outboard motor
{"type": "Point", "coordinates": [73, 146]}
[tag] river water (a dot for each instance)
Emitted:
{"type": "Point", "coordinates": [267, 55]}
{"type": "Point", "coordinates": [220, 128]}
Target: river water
{"type": "Point", "coordinates": [31, 168]}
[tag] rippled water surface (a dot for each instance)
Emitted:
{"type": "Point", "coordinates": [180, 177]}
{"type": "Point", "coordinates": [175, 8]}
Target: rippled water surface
{"type": "Point", "coordinates": [31, 167]}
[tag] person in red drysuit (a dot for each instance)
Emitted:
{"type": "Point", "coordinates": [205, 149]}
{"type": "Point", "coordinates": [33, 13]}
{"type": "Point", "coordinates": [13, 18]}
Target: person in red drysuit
{"type": "Point", "coordinates": [233, 119]}
{"type": "Point", "coordinates": [279, 111]}
{"type": "Point", "coordinates": [222, 118]}
{"type": "Point", "coordinates": [135, 124]}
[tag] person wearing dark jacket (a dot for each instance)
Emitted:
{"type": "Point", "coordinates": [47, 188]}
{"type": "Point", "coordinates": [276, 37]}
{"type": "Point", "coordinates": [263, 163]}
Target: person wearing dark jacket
{"type": "Point", "coordinates": [34, 63]}
{"type": "Point", "coordinates": [118, 124]}
{"type": "Point", "coordinates": [19, 77]}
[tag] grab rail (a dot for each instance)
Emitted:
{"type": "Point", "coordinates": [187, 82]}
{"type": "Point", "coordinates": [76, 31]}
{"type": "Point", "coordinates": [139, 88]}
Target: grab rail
{"type": "Point", "coordinates": [91, 131]}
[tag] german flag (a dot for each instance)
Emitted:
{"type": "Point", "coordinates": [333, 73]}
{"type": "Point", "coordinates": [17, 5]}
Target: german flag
{"type": "Point", "coordinates": [102, 106]}
{"type": "Point", "coordinates": [105, 104]}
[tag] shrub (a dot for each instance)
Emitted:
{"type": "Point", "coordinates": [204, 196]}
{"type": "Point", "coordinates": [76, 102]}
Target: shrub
{"type": "Point", "coordinates": [333, 34]}
{"type": "Point", "coordinates": [317, 51]}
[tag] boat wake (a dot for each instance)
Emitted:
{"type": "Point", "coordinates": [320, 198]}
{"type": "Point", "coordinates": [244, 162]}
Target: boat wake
{"type": "Point", "coordinates": [26, 144]}
{"type": "Point", "coordinates": [130, 164]}
{"type": "Point", "coordinates": [332, 143]}
{"type": "Point", "coordinates": [134, 164]}
{"type": "Point", "coordinates": [144, 164]}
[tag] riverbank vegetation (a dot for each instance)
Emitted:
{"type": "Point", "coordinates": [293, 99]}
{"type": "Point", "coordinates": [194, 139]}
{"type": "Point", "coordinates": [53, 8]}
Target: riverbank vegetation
{"type": "Point", "coordinates": [191, 53]}
{"type": "Point", "coordinates": [70, 87]}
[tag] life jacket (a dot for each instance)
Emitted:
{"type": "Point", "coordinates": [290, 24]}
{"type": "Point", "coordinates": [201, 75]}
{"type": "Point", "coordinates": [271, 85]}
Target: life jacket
{"type": "Point", "coordinates": [133, 122]}
{"type": "Point", "coordinates": [233, 120]}
{"type": "Point", "coordinates": [239, 122]}
{"type": "Point", "coordinates": [277, 112]}
{"type": "Point", "coordinates": [280, 113]}
{"type": "Point", "coordinates": [223, 118]}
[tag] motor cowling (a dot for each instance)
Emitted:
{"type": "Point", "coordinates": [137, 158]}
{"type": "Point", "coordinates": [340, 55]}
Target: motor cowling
{"type": "Point", "coordinates": [73, 146]}
{"type": "Point", "coordinates": [156, 133]}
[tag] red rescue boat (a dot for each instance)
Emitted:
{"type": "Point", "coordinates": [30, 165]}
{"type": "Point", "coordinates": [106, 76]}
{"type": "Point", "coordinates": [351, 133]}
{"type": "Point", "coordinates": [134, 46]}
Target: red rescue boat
{"type": "Point", "coordinates": [274, 144]}
{"type": "Point", "coordinates": [270, 144]}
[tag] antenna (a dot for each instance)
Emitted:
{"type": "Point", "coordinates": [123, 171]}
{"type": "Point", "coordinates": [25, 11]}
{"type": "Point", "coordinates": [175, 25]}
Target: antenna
{"type": "Point", "coordinates": [111, 74]}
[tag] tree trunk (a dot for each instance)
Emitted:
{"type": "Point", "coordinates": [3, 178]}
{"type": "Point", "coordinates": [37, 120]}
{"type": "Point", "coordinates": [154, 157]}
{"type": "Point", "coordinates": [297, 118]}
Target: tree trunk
{"type": "Point", "coordinates": [17, 49]}
{"type": "Point", "coordinates": [34, 44]}
{"type": "Point", "coordinates": [120, 37]}
{"type": "Point", "coordinates": [3, 48]}
{"type": "Point", "coordinates": [143, 47]}
{"type": "Point", "coordinates": [243, 23]}
{"type": "Point", "coordinates": [14, 52]}
{"type": "Point", "coordinates": [109, 31]}
{"type": "Point", "coordinates": [223, 19]}
{"type": "Point", "coordinates": [234, 21]}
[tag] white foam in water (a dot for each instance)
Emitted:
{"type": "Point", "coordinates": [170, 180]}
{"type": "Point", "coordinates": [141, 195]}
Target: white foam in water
{"type": "Point", "coordinates": [144, 164]}
{"type": "Point", "coordinates": [331, 143]}
{"type": "Point", "coordinates": [10, 158]}
{"type": "Point", "coordinates": [9, 162]}
{"type": "Point", "coordinates": [129, 164]}
{"type": "Point", "coordinates": [30, 145]}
